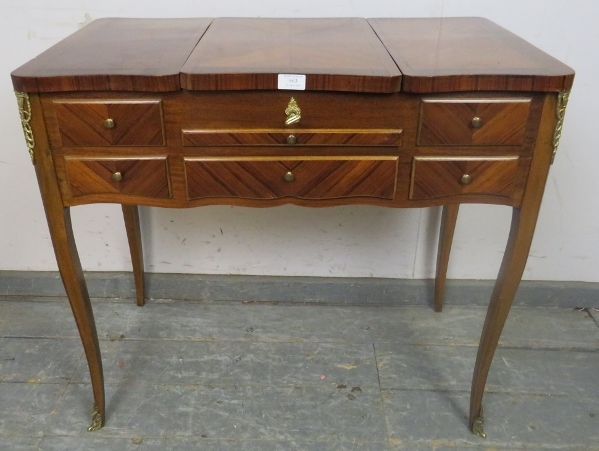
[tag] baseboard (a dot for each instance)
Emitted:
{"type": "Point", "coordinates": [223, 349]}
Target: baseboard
{"type": "Point", "coordinates": [365, 291]}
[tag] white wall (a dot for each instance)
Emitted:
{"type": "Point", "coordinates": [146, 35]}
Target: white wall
{"type": "Point", "coordinates": [340, 241]}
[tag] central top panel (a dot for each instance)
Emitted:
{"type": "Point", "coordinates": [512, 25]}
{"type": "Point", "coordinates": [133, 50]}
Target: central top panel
{"type": "Point", "coordinates": [334, 54]}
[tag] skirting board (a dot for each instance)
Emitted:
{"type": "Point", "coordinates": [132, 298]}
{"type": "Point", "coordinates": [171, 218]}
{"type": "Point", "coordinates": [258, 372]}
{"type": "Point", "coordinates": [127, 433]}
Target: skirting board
{"type": "Point", "coordinates": [364, 291]}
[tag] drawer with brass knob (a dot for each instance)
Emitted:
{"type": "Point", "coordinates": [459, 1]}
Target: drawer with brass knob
{"type": "Point", "coordinates": [290, 137]}
{"type": "Point", "coordinates": [299, 177]}
{"type": "Point", "coordinates": [146, 177]}
{"type": "Point", "coordinates": [473, 122]}
{"type": "Point", "coordinates": [97, 123]}
{"type": "Point", "coordinates": [434, 177]}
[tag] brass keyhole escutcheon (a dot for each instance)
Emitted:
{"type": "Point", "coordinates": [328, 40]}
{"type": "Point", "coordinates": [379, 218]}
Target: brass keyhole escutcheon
{"type": "Point", "coordinates": [291, 139]}
{"type": "Point", "coordinates": [293, 112]}
{"type": "Point", "coordinates": [109, 123]}
{"type": "Point", "coordinates": [477, 122]}
{"type": "Point", "coordinates": [117, 176]}
{"type": "Point", "coordinates": [289, 177]}
{"type": "Point", "coordinates": [466, 179]}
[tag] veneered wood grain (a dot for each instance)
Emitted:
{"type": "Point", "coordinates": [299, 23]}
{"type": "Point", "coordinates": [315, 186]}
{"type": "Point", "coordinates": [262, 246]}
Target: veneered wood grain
{"type": "Point", "coordinates": [449, 121]}
{"type": "Point", "coordinates": [114, 54]}
{"type": "Point", "coordinates": [132, 226]}
{"type": "Point", "coordinates": [449, 218]}
{"type": "Point", "coordinates": [317, 137]}
{"type": "Point", "coordinates": [315, 178]}
{"type": "Point", "coordinates": [147, 177]}
{"type": "Point", "coordinates": [243, 110]}
{"type": "Point", "coordinates": [335, 54]}
{"type": "Point", "coordinates": [440, 177]}
{"type": "Point", "coordinates": [467, 54]}
{"type": "Point", "coordinates": [136, 122]}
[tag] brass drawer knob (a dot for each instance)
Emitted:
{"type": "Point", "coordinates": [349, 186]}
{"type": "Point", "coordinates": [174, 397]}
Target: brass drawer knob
{"type": "Point", "coordinates": [291, 139]}
{"type": "Point", "coordinates": [109, 123]}
{"type": "Point", "coordinates": [466, 179]}
{"type": "Point", "coordinates": [117, 176]}
{"type": "Point", "coordinates": [289, 177]}
{"type": "Point", "coordinates": [477, 122]}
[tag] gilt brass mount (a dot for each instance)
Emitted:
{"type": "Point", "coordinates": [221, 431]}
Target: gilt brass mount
{"type": "Point", "coordinates": [117, 176]}
{"type": "Point", "coordinates": [109, 123]}
{"type": "Point", "coordinates": [293, 112]}
{"type": "Point", "coordinates": [97, 420]}
{"type": "Point", "coordinates": [560, 113]}
{"type": "Point", "coordinates": [477, 426]}
{"type": "Point", "coordinates": [25, 113]}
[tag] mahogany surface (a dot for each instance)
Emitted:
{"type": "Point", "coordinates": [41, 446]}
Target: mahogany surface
{"type": "Point", "coordinates": [449, 218]}
{"type": "Point", "coordinates": [449, 121]}
{"type": "Point", "coordinates": [115, 54]}
{"type": "Point", "coordinates": [141, 126]}
{"type": "Point", "coordinates": [467, 54]}
{"type": "Point", "coordinates": [334, 54]}
{"type": "Point", "coordinates": [313, 178]}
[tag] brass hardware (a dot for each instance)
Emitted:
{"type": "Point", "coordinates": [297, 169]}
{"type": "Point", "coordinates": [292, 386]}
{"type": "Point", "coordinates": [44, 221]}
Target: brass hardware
{"type": "Point", "coordinates": [25, 113]}
{"type": "Point", "coordinates": [289, 177]}
{"type": "Point", "coordinates": [466, 179]}
{"type": "Point", "coordinates": [293, 112]}
{"type": "Point", "coordinates": [477, 426]}
{"type": "Point", "coordinates": [117, 176]}
{"type": "Point", "coordinates": [560, 113]}
{"type": "Point", "coordinates": [109, 123]}
{"type": "Point", "coordinates": [477, 122]}
{"type": "Point", "coordinates": [97, 420]}
{"type": "Point", "coordinates": [291, 139]}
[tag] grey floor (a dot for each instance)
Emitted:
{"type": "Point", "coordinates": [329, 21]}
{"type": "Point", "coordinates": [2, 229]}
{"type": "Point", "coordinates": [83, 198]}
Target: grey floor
{"type": "Point", "coordinates": [238, 376]}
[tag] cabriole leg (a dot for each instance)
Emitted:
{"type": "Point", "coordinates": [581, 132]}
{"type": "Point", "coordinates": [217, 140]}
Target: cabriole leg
{"type": "Point", "coordinates": [61, 233]}
{"type": "Point", "coordinates": [510, 273]}
{"type": "Point", "coordinates": [69, 265]}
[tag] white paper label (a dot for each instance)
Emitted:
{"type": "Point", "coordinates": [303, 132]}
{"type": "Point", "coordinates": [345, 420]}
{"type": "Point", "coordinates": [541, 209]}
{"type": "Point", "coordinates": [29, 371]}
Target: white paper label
{"type": "Point", "coordinates": [292, 81]}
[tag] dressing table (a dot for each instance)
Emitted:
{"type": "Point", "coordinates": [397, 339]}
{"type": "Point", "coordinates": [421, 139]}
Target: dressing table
{"type": "Point", "coordinates": [313, 112]}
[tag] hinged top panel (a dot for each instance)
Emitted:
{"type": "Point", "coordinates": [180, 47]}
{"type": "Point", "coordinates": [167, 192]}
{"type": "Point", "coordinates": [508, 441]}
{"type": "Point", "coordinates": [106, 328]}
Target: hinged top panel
{"type": "Point", "coordinates": [334, 54]}
{"type": "Point", "coordinates": [467, 54]}
{"type": "Point", "coordinates": [115, 55]}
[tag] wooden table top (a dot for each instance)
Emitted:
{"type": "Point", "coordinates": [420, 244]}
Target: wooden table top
{"type": "Point", "coordinates": [348, 54]}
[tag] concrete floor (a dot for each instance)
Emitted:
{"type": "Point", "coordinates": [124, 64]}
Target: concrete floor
{"type": "Point", "coordinates": [228, 376]}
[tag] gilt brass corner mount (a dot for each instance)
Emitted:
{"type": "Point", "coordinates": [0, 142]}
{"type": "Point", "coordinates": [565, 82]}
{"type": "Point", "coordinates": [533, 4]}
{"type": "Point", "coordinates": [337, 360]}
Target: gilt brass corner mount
{"type": "Point", "coordinates": [25, 113]}
{"type": "Point", "coordinates": [560, 113]}
{"type": "Point", "coordinates": [293, 112]}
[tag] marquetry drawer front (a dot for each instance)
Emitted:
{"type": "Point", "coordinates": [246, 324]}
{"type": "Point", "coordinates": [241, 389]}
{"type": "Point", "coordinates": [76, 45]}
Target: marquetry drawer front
{"type": "Point", "coordinates": [473, 122]}
{"type": "Point", "coordinates": [304, 178]}
{"type": "Point", "coordinates": [434, 177]}
{"type": "Point", "coordinates": [109, 123]}
{"type": "Point", "coordinates": [292, 137]}
{"type": "Point", "coordinates": [147, 177]}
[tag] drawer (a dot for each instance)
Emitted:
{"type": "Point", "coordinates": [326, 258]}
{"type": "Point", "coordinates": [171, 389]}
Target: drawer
{"type": "Point", "coordinates": [277, 137]}
{"type": "Point", "coordinates": [147, 177]}
{"type": "Point", "coordinates": [278, 110]}
{"type": "Point", "coordinates": [299, 177]}
{"type": "Point", "coordinates": [434, 177]}
{"type": "Point", "coordinates": [109, 123]}
{"type": "Point", "coordinates": [473, 122]}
